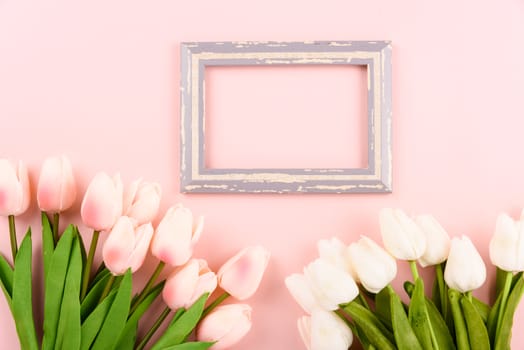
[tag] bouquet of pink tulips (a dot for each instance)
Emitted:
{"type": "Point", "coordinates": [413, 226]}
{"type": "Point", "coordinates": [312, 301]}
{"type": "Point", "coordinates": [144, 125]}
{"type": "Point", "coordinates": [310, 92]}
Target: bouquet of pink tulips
{"type": "Point", "coordinates": [347, 290]}
{"type": "Point", "coordinates": [94, 308]}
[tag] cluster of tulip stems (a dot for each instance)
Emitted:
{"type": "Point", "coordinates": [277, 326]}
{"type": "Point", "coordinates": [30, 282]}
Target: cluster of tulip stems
{"type": "Point", "coordinates": [94, 308]}
{"type": "Point", "coordinates": [347, 291]}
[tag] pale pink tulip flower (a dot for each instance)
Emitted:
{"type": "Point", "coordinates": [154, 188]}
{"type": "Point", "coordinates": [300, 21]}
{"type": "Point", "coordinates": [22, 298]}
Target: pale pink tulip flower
{"type": "Point", "coordinates": [401, 236]}
{"type": "Point", "coordinates": [176, 236]}
{"type": "Point", "coordinates": [126, 246]}
{"type": "Point", "coordinates": [56, 189]}
{"type": "Point", "coordinates": [14, 188]}
{"type": "Point", "coordinates": [240, 276]}
{"type": "Point", "coordinates": [226, 325]}
{"type": "Point", "coordinates": [465, 269]}
{"type": "Point", "coordinates": [187, 283]}
{"type": "Point", "coordinates": [141, 201]}
{"type": "Point", "coordinates": [102, 203]}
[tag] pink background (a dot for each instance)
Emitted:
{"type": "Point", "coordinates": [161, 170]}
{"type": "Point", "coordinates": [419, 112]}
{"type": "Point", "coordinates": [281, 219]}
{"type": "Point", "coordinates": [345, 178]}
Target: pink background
{"type": "Point", "coordinates": [98, 81]}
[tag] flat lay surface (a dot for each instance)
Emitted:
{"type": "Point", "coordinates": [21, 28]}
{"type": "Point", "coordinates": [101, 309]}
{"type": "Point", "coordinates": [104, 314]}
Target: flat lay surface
{"type": "Point", "coordinates": [99, 82]}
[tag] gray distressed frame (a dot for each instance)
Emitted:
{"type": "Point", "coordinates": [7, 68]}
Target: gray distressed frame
{"type": "Point", "coordinates": [196, 56]}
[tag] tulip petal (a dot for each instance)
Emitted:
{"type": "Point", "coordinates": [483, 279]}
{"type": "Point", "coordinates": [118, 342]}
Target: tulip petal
{"type": "Point", "coordinates": [240, 276]}
{"type": "Point", "coordinates": [401, 235]}
{"type": "Point", "coordinates": [172, 241]}
{"type": "Point", "coordinates": [465, 269]}
{"type": "Point", "coordinates": [329, 332]}
{"type": "Point", "coordinates": [56, 189]}
{"type": "Point", "coordinates": [504, 246]}
{"type": "Point", "coordinates": [226, 325]}
{"type": "Point", "coordinates": [304, 328]}
{"type": "Point", "coordinates": [180, 285]}
{"type": "Point", "coordinates": [301, 292]}
{"type": "Point", "coordinates": [142, 238]}
{"type": "Point", "coordinates": [119, 246]}
{"type": "Point", "coordinates": [102, 203]}
{"type": "Point", "coordinates": [437, 241]}
{"type": "Point", "coordinates": [10, 197]}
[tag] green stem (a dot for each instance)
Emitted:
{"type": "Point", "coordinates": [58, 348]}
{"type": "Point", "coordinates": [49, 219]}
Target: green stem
{"type": "Point", "coordinates": [414, 270]}
{"type": "Point", "coordinates": [149, 285]}
{"type": "Point", "coordinates": [363, 300]}
{"type": "Point", "coordinates": [508, 277]}
{"type": "Point", "coordinates": [89, 264]}
{"type": "Point", "coordinates": [12, 235]}
{"type": "Point", "coordinates": [154, 328]}
{"type": "Point", "coordinates": [56, 220]}
{"type": "Point", "coordinates": [469, 296]}
{"type": "Point", "coordinates": [108, 287]}
{"type": "Point", "coordinates": [215, 303]}
{"type": "Point", "coordinates": [443, 293]}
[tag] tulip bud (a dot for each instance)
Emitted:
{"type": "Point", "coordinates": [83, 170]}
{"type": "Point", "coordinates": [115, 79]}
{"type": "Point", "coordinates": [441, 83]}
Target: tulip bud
{"type": "Point", "coordinates": [225, 325]}
{"type": "Point", "coordinates": [186, 284]}
{"type": "Point", "coordinates": [56, 190]}
{"type": "Point", "coordinates": [465, 269]}
{"type": "Point", "coordinates": [401, 236]}
{"type": "Point", "coordinates": [437, 241]}
{"type": "Point", "coordinates": [141, 201]}
{"type": "Point", "coordinates": [126, 246]}
{"type": "Point", "coordinates": [506, 248]}
{"type": "Point", "coordinates": [324, 331]}
{"type": "Point", "coordinates": [334, 251]}
{"type": "Point", "coordinates": [374, 266]}
{"type": "Point", "coordinates": [240, 276]}
{"type": "Point", "coordinates": [330, 285]}
{"type": "Point", "coordinates": [176, 235]}
{"type": "Point", "coordinates": [301, 292]}
{"type": "Point", "coordinates": [102, 203]}
{"type": "Point", "coordinates": [14, 188]}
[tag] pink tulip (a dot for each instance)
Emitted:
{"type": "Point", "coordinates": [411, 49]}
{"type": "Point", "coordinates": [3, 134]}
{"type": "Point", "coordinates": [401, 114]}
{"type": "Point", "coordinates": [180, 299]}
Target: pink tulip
{"type": "Point", "coordinates": [186, 284]}
{"type": "Point", "coordinates": [176, 235]}
{"type": "Point", "coordinates": [102, 204]}
{"type": "Point", "coordinates": [14, 188]}
{"type": "Point", "coordinates": [241, 275]}
{"type": "Point", "coordinates": [141, 201]}
{"type": "Point", "coordinates": [126, 246]}
{"type": "Point", "coordinates": [226, 325]}
{"type": "Point", "coordinates": [56, 190]}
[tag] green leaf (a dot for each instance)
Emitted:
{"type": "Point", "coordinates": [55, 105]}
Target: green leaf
{"type": "Point", "coordinates": [48, 244]}
{"type": "Point", "coordinates": [128, 337]}
{"type": "Point", "coordinates": [383, 307]}
{"type": "Point", "coordinates": [93, 297]}
{"type": "Point", "coordinates": [191, 346]}
{"type": "Point", "coordinates": [68, 333]}
{"type": "Point", "coordinates": [504, 337]}
{"type": "Point", "coordinates": [443, 337]}
{"type": "Point", "coordinates": [177, 332]}
{"type": "Point", "coordinates": [477, 332]}
{"type": "Point", "coordinates": [6, 279]}
{"type": "Point", "coordinates": [116, 317]}
{"type": "Point", "coordinates": [94, 321]}
{"type": "Point", "coordinates": [54, 287]}
{"type": "Point", "coordinates": [442, 332]}
{"type": "Point", "coordinates": [377, 334]}
{"type": "Point", "coordinates": [482, 308]}
{"type": "Point", "coordinates": [461, 331]}
{"type": "Point", "coordinates": [418, 316]}
{"type": "Point", "coordinates": [22, 302]}
{"type": "Point", "coordinates": [405, 335]}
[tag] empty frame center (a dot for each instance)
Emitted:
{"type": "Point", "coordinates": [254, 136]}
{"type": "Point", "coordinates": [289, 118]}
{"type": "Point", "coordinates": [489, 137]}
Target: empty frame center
{"type": "Point", "coordinates": [293, 116]}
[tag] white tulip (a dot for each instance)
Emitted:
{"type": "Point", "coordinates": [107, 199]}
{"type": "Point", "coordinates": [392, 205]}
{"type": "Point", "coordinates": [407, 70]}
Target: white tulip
{"type": "Point", "coordinates": [465, 269]}
{"type": "Point", "coordinates": [374, 267]}
{"type": "Point", "coordinates": [324, 331]}
{"type": "Point", "coordinates": [301, 292]}
{"type": "Point", "coordinates": [334, 251]}
{"type": "Point", "coordinates": [437, 241]}
{"type": "Point", "coordinates": [330, 285]}
{"type": "Point", "coordinates": [506, 249]}
{"type": "Point", "coordinates": [401, 235]}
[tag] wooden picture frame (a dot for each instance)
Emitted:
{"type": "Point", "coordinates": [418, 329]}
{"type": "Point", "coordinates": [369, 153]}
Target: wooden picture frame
{"type": "Point", "coordinates": [375, 177]}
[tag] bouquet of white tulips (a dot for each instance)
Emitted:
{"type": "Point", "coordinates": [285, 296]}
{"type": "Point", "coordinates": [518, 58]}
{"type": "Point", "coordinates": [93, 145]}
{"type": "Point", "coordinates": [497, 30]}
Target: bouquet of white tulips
{"type": "Point", "coordinates": [347, 291]}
